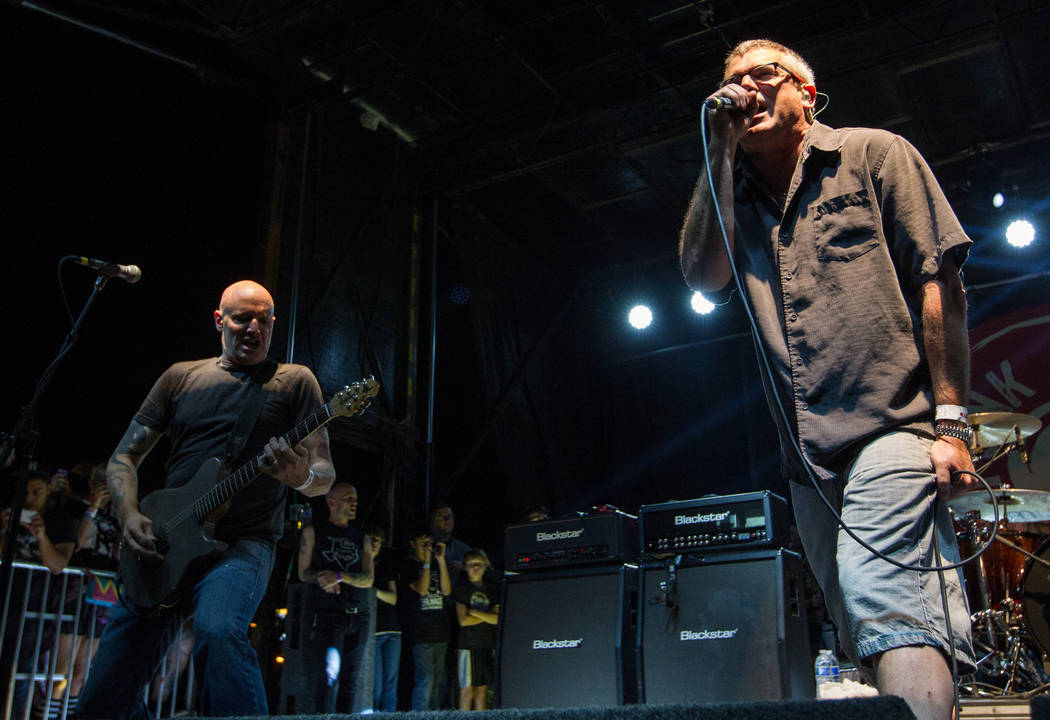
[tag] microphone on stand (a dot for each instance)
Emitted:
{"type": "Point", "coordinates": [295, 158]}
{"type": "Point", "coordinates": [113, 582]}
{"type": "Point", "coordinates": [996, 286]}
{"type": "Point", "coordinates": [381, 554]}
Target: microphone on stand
{"type": "Point", "coordinates": [127, 273]}
{"type": "Point", "coordinates": [1022, 449]}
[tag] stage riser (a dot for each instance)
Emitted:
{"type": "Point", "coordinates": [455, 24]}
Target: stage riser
{"type": "Point", "coordinates": [878, 708]}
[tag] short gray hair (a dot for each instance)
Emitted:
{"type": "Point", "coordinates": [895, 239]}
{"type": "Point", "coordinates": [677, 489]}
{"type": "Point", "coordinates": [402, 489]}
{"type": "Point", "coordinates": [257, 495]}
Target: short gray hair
{"type": "Point", "coordinates": [788, 58]}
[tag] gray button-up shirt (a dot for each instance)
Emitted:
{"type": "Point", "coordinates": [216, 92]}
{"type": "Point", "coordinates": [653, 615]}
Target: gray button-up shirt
{"type": "Point", "coordinates": [836, 280]}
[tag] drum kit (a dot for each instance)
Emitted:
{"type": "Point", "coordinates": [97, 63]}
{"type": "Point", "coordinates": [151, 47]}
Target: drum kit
{"type": "Point", "coordinates": [1008, 586]}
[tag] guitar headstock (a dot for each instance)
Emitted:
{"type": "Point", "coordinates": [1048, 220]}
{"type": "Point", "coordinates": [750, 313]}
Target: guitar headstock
{"type": "Point", "coordinates": [353, 399]}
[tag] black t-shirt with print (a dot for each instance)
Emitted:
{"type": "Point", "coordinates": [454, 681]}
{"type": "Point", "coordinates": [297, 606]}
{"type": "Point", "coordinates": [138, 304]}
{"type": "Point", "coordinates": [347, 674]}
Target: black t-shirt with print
{"type": "Point", "coordinates": [477, 597]}
{"type": "Point", "coordinates": [424, 614]}
{"type": "Point", "coordinates": [340, 549]}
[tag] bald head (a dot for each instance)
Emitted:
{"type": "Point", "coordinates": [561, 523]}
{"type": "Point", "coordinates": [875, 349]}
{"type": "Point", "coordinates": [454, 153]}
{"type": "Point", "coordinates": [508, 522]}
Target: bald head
{"type": "Point", "coordinates": [245, 322]}
{"type": "Point", "coordinates": [246, 290]}
{"type": "Point", "coordinates": [342, 503]}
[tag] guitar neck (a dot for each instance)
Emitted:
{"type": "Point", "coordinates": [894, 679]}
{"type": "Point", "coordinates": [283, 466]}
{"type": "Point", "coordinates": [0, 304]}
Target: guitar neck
{"type": "Point", "coordinates": [246, 473]}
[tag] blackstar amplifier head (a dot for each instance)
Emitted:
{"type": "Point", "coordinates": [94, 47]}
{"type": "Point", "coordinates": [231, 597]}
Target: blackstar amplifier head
{"type": "Point", "coordinates": [755, 519]}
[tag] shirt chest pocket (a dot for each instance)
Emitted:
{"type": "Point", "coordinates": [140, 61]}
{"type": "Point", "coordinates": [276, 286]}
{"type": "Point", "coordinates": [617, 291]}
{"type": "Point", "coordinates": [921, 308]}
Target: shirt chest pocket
{"type": "Point", "coordinates": [844, 227]}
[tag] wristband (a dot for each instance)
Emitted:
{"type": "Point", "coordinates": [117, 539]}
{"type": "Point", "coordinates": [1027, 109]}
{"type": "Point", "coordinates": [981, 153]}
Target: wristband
{"type": "Point", "coordinates": [91, 513]}
{"type": "Point", "coordinates": [426, 566]}
{"type": "Point", "coordinates": [951, 412]}
{"type": "Point", "coordinates": [309, 481]}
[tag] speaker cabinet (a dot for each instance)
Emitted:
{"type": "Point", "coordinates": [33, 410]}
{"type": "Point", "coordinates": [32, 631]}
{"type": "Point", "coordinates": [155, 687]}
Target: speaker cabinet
{"type": "Point", "coordinates": [566, 639]}
{"type": "Point", "coordinates": [729, 627]}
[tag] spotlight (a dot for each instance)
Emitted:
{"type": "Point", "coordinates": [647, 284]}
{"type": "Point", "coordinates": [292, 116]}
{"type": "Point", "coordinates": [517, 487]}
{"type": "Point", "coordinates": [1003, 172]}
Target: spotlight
{"type": "Point", "coordinates": [640, 317]}
{"type": "Point", "coordinates": [1020, 233]}
{"type": "Point", "coordinates": [998, 200]}
{"type": "Point", "coordinates": [701, 305]}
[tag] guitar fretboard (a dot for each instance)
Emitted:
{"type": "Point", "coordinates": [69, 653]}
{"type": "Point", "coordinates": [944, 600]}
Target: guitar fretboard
{"type": "Point", "coordinates": [246, 473]}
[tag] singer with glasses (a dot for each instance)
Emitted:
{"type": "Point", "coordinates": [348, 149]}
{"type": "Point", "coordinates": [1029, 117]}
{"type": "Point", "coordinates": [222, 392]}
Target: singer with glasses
{"type": "Point", "coordinates": [848, 255]}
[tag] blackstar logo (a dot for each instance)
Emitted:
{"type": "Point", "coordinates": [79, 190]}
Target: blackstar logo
{"type": "Point", "coordinates": [708, 635]}
{"type": "Point", "coordinates": [694, 519]}
{"type": "Point", "coordinates": [558, 535]}
{"type": "Point", "coordinates": [555, 644]}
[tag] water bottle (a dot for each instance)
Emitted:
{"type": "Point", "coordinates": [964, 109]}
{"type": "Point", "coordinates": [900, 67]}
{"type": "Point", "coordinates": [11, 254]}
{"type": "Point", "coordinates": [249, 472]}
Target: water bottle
{"type": "Point", "coordinates": [826, 670]}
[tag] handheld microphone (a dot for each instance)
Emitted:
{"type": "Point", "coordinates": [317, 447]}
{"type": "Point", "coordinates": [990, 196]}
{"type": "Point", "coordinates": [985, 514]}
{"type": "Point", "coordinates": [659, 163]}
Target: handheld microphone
{"type": "Point", "coordinates": [127, 273]}
{"type": "Point", "coordinates": [718, 103]}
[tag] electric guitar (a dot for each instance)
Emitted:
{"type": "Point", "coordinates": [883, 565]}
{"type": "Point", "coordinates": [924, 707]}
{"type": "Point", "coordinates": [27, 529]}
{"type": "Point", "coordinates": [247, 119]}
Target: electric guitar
{"type": "Point", "coordinates": [184, 518]}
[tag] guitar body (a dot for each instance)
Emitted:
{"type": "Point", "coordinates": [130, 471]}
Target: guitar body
{"type": "Point", "coordinates": [187, 545]}
{"type": "Point", "coordinates": [184, 517]}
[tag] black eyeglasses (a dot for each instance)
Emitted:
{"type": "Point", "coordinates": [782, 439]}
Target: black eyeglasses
{"type": "Point", "coordinates": [764, 74]}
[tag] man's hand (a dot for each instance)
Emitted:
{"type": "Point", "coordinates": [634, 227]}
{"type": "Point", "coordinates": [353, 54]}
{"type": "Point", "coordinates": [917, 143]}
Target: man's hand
{"type": "Point", "coordinates": [138, 534]}
{"type": "Point", "coordinates": [439, 550]}
{"type": "Point", "coordinates": [329, 581]}
{"type": "Point", "coordinates": [286, 464]}
{"type": "Point", "coordinates": [731, 125]}
{"type": "Point", "coordinates": [948, 454]}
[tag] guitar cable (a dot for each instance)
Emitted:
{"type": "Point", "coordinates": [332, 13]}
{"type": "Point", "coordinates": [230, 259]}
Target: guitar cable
{"type": "Point", "coordinates": [766, 367]}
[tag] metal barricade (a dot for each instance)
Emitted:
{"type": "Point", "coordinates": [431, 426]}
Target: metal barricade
{"type": "Point", "coordinates": [35, 615]}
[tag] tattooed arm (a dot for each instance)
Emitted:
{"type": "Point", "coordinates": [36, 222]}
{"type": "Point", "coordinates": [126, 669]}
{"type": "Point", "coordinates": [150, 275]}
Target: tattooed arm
{"type": "Point", "coordinates": [123, 481]}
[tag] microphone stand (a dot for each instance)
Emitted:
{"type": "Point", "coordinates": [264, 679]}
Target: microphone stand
{"type": "Point", "coordinates": [25, 435]}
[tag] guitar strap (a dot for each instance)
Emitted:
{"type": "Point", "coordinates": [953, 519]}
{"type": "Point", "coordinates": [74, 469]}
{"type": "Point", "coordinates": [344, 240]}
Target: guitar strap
{"type": "Point", "coordinates": [242, 429]}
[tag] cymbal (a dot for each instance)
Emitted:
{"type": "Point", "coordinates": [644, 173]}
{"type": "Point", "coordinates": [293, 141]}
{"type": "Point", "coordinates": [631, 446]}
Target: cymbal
{"type": "Point", "coordinates": [1014, 505]}
{"type": "Point", "coordinates": [996, 428]}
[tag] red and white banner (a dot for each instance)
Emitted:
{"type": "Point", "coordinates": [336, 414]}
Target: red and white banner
{"type": "Point", "coordinates": [1010, 372]}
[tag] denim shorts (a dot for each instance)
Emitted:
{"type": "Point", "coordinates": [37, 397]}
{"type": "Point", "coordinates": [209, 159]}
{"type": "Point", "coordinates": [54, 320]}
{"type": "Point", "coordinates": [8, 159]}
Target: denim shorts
{"type": "Point", "coordinates": [887, 497]}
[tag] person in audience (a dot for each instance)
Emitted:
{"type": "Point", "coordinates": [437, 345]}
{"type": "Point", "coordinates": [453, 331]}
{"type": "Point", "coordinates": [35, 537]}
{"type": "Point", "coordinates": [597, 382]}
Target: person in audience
{"type": "Point", "coordinates": [477, 609]}
{"type": "Point", "coordinates": [45, 537]}
{"type": "Point", "coordinates": [388, 628]}
{"type": "Point", "coordinates": [336, 559]}
{"type": "Point", "coordinates": [426, 581]}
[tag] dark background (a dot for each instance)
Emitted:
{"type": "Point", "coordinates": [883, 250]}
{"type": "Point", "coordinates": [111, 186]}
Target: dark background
{"type": "Point", "coordinates": [545, 151]}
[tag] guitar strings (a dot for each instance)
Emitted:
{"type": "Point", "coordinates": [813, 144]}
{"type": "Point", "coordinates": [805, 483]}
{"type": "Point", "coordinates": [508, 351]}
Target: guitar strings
{"type": "Point", "coordinates": [245, 474]}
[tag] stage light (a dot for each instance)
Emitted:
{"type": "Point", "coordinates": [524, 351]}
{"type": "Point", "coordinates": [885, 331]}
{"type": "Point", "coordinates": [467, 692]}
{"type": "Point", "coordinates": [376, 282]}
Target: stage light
{"type": "Point", "coordinates": [640, 317]}
{"type": "Point", "coordinates": [1020, 233]}
{"type": "Point", "coordinates": [279, 660]}
{"type": "Point", "coordinates": [701, 305]}
{"type": "Point", "coordinates": [459, 295]}
{"type": "Point", "coordinates": [998, 200]}
{"type": "Point", "coordinates": [282, 613]}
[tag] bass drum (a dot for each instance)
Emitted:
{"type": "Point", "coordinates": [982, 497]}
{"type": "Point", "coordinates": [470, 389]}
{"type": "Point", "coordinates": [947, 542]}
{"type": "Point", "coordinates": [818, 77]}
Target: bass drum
{"type": "Point", "coordinates": [1036, 598]}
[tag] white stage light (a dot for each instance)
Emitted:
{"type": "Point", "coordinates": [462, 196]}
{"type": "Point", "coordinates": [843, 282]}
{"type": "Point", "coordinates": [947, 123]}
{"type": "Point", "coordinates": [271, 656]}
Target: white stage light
{"type": "Point", "coordinates": [1020, 233]}
{"type": "Point", "coordinates": [998, 200]}
{"type": "Point", "coordinates": [640, 317]}
{"type": "Point", "coordinates": [701, 305]}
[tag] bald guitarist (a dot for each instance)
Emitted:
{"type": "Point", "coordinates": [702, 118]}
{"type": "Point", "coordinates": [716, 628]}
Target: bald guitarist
{"type": "Point", "coordinates": [197, 404]}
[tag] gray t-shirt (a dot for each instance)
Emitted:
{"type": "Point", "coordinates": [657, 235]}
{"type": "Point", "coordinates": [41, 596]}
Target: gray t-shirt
{"type": "Point", "coordinates": [197, 403]}
{"type": "Point", "coordinates": [836, 283]}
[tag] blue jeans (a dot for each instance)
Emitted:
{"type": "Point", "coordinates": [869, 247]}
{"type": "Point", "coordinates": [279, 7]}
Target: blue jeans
{"type": "Point", "coordinates": [222, 604]}
{"type": "Point", "coordinates": [428, 660]}
{"type": "Point", "coordinates": [388, 662]}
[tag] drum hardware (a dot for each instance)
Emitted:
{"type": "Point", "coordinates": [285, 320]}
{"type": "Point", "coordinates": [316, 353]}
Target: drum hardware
{"type": "Point", "coordinates": [1009, 592]}
{"type": "Point", "coordinates": [1017, 505]}
{"type": "Point", "coordinates": [996, 429]}
{"type": "Point", "coordinates": [1001, 432]}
